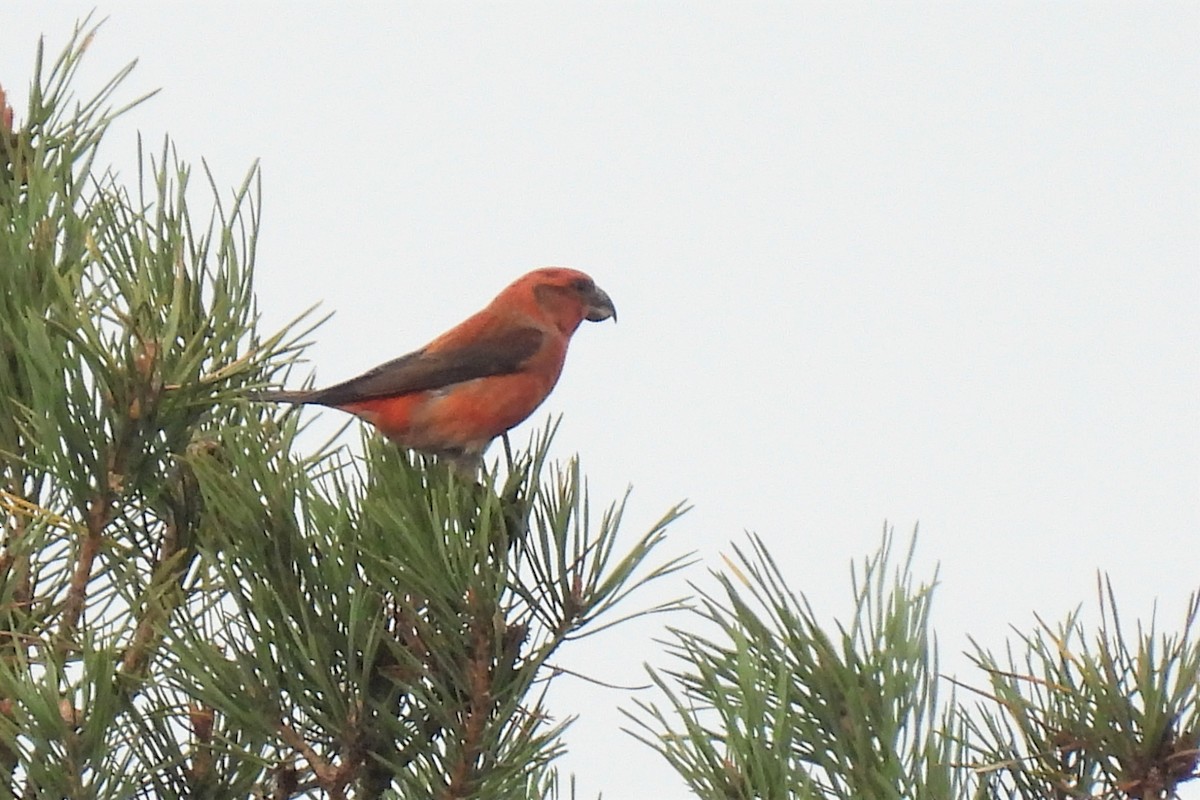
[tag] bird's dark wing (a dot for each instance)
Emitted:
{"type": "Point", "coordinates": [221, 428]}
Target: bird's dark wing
{"type": "Point", "coordinates": [420, 371]}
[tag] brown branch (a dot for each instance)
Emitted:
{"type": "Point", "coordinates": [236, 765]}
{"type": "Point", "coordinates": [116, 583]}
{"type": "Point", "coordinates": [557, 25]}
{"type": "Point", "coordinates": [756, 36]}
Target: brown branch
{"type": "Point", "coordinates": [330, 778]}
{"type": "Point", "coordinates": [100, 505]}
{"type": "Point", "coordinates": [14, 571]}
{"type": "Point", "coordinates": [97, 519]}
{"type": "Point", "coordinates": [381, 753]}
{"type": "Point", "coordinates": [9, 559]}
{"type": "Point", "coordinates": [6, 113]}
{"type": "Point", "coordinates": [479, 708]}
{"type": "Point", "coordinates": [167, 570]}
{"type": "Point", "coordinates": [408, 627]}
{"type": "Point", "coordinates": [200, 768]}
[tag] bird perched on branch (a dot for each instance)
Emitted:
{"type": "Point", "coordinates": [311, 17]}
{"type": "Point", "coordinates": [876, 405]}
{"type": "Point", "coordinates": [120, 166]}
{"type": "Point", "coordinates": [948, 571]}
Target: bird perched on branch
{"type": "Point", "coordinates": [478, 379]}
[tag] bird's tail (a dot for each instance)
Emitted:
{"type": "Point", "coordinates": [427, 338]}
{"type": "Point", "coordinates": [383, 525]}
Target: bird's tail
{"type": "Point", "coordinates": [282, 396]}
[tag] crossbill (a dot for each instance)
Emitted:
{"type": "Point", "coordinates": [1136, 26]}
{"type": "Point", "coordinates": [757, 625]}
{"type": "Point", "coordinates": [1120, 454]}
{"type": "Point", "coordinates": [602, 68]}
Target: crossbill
{"type": "Point", "coordinates": [487, 374]}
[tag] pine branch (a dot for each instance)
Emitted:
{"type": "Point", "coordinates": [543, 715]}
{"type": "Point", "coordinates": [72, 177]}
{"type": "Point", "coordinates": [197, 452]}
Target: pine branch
{"type": "Point", "coordinates": [1120, 718]}
{"type": "Point", "coordinates": [105, 301]}
{"type": "Point", "coordinates": [775, 705]}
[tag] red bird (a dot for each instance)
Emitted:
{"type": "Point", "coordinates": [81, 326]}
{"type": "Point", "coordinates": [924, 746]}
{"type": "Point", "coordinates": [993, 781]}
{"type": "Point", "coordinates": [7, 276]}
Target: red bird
{"type": "Point", "coordinates": [478, 379]}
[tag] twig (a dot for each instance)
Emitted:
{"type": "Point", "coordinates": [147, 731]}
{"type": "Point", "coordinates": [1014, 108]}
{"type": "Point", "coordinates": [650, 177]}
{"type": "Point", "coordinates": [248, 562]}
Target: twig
{"type": "Point", "coordinates": [557, 670]}
{"type": "Point", "coordinates": [329, 777]}
{"type": "Point", "coordinates": [97, 519]}
{"type": "Point", "coordinates": [479, 709]}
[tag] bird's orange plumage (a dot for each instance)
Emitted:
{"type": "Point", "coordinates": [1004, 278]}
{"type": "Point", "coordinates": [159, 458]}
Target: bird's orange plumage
{"type": "Point", "coordinates": [481, 377]}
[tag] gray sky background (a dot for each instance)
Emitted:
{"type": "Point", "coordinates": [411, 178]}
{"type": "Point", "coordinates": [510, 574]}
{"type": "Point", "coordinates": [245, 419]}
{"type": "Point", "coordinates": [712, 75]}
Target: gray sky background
{"type": "Point", "coordinates": [920, 263]}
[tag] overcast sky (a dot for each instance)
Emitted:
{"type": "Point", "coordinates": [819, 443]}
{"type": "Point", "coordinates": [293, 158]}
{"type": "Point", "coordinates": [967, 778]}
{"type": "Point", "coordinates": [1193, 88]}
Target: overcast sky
{"type": "Point", "coordinates": [921, 263]}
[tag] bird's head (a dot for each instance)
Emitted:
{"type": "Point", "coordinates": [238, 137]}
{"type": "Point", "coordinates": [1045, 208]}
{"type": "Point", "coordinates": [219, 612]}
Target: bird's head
{"type": "Point", "coordinates": [566, 296]}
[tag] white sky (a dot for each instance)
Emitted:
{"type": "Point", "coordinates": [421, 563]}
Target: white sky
{"type": "Point", "coordinates": [935, 263]}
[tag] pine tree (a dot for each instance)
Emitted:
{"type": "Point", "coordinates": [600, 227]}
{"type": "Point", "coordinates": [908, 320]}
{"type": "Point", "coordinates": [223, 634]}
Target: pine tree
{"type": "Point", "coordinates": [768, 702]}
{"type": "Point", "coordinates": [193, 605]}
{"type": "Point", "coordinates": [189, 607]}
